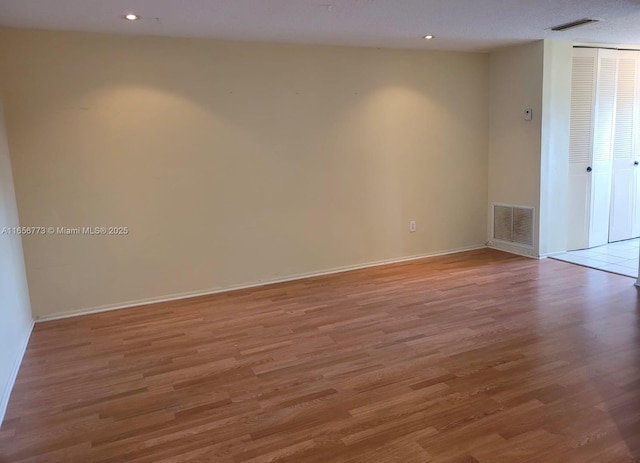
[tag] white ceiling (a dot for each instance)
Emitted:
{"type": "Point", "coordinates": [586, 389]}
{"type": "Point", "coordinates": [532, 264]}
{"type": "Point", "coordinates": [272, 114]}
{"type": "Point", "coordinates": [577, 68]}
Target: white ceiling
{"type": "Point", "coordinates": [474, 25]}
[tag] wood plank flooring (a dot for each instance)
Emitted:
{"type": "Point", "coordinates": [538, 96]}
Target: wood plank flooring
{"type": "Point", "coordinates": [473, 357]}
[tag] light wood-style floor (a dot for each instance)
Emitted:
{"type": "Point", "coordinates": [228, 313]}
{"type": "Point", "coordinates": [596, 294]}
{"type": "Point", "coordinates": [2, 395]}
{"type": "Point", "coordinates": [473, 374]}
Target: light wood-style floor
{"type": "Point", "coordinates": [474, 357]}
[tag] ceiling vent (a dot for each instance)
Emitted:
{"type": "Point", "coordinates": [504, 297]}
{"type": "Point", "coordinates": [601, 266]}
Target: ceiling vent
{"type": "Point", "coordinates": [573, 24]}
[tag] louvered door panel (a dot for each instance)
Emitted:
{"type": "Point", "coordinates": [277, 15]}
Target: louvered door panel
{"type": "Point", "coordinates": [605, 106]}
{"type": "Point", "coordinates": [582, 98]}
{"type": "Point", "coordinates": [583, 95]}
{"type": "Point", "coordinates": [625, 106]}
{"type": "Point", "coordinates": [636, 154]}
{"type": "Point", "coordinates": [623, 177]}
{"type": "Point", "coordinates": [604, 123]}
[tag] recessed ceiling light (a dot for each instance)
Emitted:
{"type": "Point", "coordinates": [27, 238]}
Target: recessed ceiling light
{"type": "Point", "coordinates": [131, 17]}
{"type": "Point", "coordinates": [428, 37]}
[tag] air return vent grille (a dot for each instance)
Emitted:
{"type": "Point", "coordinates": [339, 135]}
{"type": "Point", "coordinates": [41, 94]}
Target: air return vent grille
{"type": "Point", "coordinates": [513, 224]}
{"type": "Point", "coordinates": [572, 24]}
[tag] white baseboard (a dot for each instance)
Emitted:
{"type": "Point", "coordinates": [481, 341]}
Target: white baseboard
{"type": "Point", "coordinates": [208, 292]}
{"type": "Point", "coordinates": [6, 394]}
{"type": "Point", "coordinates": [513, 249]}
{"type": "Point", "coordinates": [551, 254]}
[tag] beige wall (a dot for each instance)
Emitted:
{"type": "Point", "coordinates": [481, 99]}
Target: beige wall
{"type": "Point", "coordinates": [528, 161]}
{"type": "Point", "coordinates": [234, 163]}
{"type": "Point", "coordinates": [15, 313]}
{"type": "Point", "coordinates": [516, 81]}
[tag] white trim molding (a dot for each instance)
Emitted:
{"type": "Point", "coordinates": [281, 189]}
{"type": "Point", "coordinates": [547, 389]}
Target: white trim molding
{"type": "Point", "coordinates": [208, 292]}
{"type": "Point", "coordinates": [512, 248]}
{"type": "Point", "coordinates": [6, 394]}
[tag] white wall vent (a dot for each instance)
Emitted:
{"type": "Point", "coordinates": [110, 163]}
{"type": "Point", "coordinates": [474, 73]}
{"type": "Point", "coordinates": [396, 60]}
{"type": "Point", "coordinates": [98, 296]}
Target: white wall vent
{"type": "Point", "coordinates": [513, 224]}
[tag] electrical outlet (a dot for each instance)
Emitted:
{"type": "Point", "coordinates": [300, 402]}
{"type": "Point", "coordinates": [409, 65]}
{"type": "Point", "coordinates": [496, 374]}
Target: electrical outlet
{"type": "Point", "coordinates": [412, 226]}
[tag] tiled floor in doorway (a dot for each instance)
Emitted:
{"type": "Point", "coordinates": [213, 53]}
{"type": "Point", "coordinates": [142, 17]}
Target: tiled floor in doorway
{"type": "Point", "coordinates": [619, 257]}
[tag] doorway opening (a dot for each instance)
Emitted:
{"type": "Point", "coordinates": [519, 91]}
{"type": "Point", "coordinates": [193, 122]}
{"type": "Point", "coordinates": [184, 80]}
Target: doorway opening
{"type": "Point", "coordinates": [620, 257]}
{"type": "Point", "coordinates": [604, 160]}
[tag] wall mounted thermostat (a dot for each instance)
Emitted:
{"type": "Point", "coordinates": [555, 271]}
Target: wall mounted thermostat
{"type": "Point", "coordinates": [528, 114]}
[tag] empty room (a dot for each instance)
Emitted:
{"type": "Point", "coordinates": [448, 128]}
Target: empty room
{"type": "Point", "coordinates": [319, 231]}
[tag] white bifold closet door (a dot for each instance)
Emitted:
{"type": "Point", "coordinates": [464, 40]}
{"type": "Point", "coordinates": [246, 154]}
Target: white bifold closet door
{"type": "Point", "coordinates": [624, 217]}
{"type": "Point", "coordinates": [635, 226]}
{"type": "Point", "coordinates": [593, 104]}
